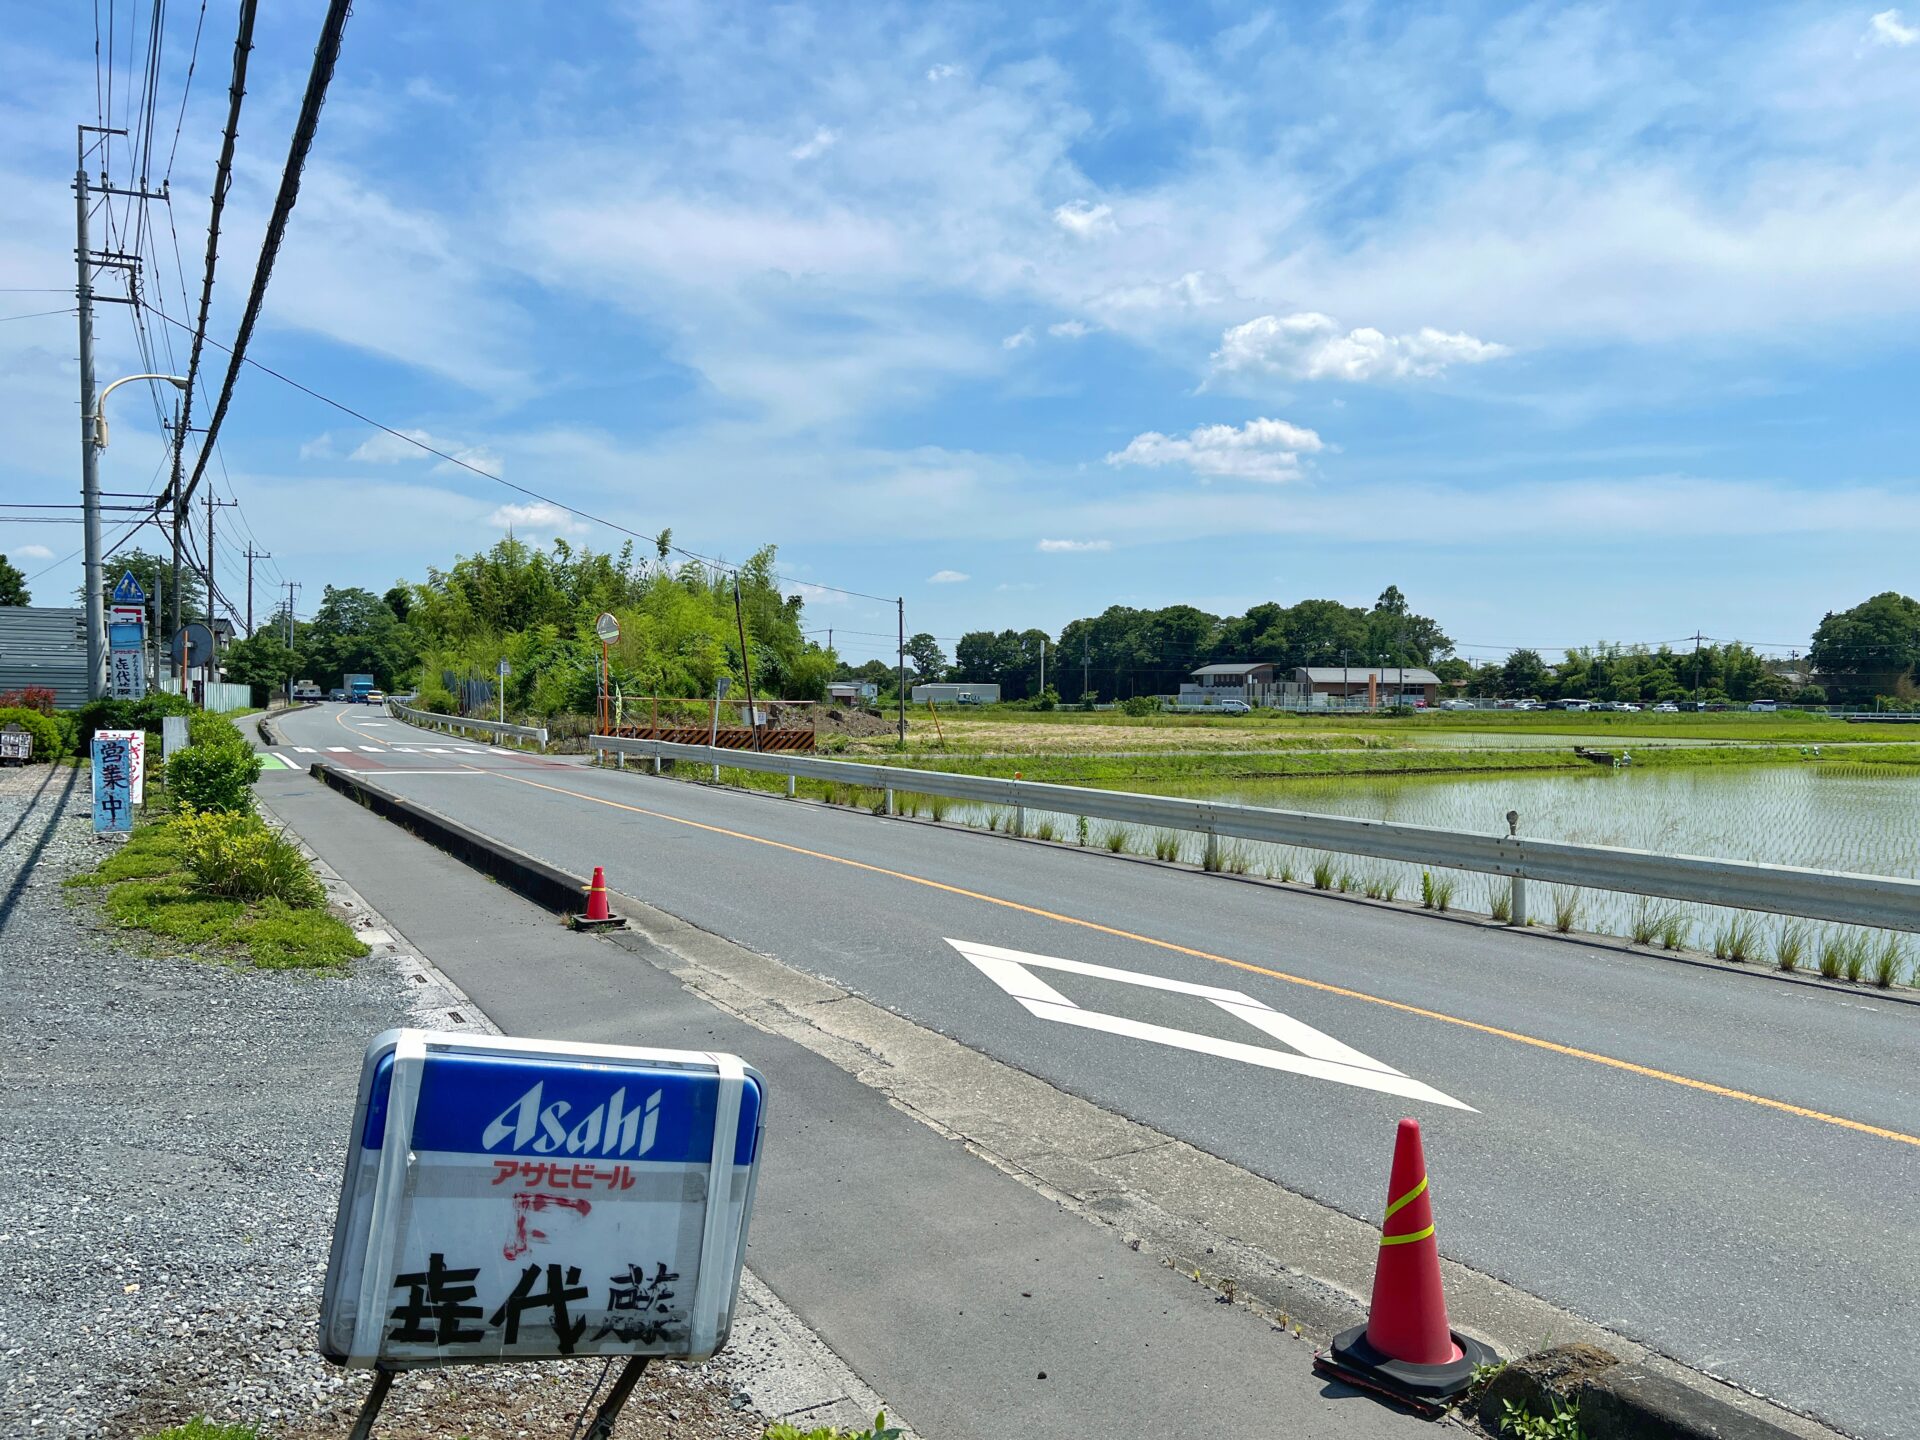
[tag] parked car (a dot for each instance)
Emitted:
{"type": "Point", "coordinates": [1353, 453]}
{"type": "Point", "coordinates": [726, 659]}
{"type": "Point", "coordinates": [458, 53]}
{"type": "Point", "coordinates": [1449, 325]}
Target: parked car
{"type": "Point", "coordinates": [1628, 706]}
{"type": "Point", "coordinates": [1234, 707]}
{"type": "Point", "coordinates": [1456, 705]}
{"type": "Point", "coordinates": [1666, 707]}
{"type": "Point", "coordinates": [1763, 707]}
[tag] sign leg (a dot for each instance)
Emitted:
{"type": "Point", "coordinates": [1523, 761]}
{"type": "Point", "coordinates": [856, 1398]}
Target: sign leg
{"type": "Point", "coordinates": [609, 1411]}
{"type": "Point", "coordinates": [370, 1407]}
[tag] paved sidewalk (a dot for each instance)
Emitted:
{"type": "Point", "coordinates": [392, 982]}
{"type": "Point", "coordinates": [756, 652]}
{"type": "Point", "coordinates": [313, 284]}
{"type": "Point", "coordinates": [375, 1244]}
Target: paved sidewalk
{"type": "Point", "coordinates": [973, 1304]}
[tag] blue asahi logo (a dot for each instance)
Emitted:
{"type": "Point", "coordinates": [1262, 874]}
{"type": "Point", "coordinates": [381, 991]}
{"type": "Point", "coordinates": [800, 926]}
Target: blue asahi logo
{"type": "Point", "coordinates": [610, 1128]}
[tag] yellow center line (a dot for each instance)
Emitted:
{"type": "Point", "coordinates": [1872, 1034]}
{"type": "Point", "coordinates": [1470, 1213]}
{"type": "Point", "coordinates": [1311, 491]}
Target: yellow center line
{"type": "Point", "coordinates": [1571, 1051]}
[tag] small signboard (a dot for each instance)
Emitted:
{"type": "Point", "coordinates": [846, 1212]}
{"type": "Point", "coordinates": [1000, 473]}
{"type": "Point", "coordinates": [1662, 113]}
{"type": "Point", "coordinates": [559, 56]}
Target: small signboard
{"type": "Point", "coordinates": [129, 591]}
{"type": "Point", "coordinates": [137, 752]}
{"type": "Point", "coordinates": [173, 736]}
{"type": "Point", "coordinates": [16, 744]}
{"type": "Point", "coordinates": [127, 652]}
{"type": "Point", "coordinates": [112, 784]}
{"type": "Point", "coordinates": [505, 669]}
{"type": "Point", "coordinates": [510, 1200]}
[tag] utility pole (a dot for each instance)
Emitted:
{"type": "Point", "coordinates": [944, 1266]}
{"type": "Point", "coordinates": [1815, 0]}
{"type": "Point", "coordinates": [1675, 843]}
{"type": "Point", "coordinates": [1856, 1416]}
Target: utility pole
{"type": "Point", "coordinates": [291, 587]}
{"type": "Point", "coordinates": [253, 555]}
{"type": "Point", "coordinates": [900, 664]}
{"type": "Point", "coordinates": [1086, 663]}
{"type": "Point", "coordinates": [1043, 666]}
{"type": "Point", "coordinates": [746, 664]}
{"type": "Point", "coordinates": [1697, 638]}
{"type": "Point", "coordinates": [89, 456]}
{"type": "Point", "coordinates": [211, 505]}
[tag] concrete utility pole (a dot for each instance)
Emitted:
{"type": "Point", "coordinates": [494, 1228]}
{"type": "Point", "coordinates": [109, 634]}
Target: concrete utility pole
{"type": "Point", "coordinates": [253, 555]}
{"type": "Point", "coordinates": [1086, 663]}
{"type": "Point", "coordinates": [900, 670]}
{"type": "Point", "coordinates": [746, 665]}
{"type": "Point", "coordinates": [96, 619]}
{"type": "Point", "coordinates": [1043, 665]}
{"type": "Point", "coordinates": [211, 505]}
{"type": "Point", "coordinates": [291, 587]}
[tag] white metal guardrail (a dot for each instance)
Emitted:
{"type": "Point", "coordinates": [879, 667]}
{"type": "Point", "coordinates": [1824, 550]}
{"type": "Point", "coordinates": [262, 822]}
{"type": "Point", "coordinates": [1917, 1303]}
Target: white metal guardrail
{"type": "Point", "coordinates": [430, 720]}
{"type": "Point", "coordinates": [1881, 901]}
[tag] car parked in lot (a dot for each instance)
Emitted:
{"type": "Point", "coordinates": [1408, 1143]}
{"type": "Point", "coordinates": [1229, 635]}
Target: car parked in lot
{"type": "Point", "coordinates": [1666, 707]}
{"type": "Point", "coordinates": [1763, 707]}
{"type": "Point", "coordinates": [1234, 707]}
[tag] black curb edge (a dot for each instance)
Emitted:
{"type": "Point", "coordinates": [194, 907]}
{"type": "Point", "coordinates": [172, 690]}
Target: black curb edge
{"type": "Point", "coordinates": [1627, 1401]}
{"type": "Point", "coordinates": [545, 885]}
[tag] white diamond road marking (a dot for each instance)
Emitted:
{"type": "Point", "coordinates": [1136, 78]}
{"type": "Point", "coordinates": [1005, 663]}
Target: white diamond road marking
{"type": "Point", "coordinates": [1314, 1053]}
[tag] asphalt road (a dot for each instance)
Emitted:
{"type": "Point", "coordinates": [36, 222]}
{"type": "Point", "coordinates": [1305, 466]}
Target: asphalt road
{"type": "Point", "coordinates": [1720, 1166]}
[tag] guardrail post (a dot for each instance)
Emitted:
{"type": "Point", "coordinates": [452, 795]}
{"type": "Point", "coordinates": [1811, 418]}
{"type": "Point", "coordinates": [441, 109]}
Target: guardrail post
{"type": "Point", "coordinates": [656, 762]}
{"type": "Point", "coordinates": [1211, 860]}
{"type": "Point", "coordinates": [619, 759]}
{"type": "Point", "coordinates": [791, 779]}
{"type": "Point", "coordinates": [716, 774]}
{"type": "Point", "coordinates": [1518, 905]}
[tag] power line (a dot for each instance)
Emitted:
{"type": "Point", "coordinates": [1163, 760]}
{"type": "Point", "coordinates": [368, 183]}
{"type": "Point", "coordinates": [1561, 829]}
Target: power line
{"type": "Point", "coordinates": [419, 444]}
{"type": "Point", "coordinates": [325, 56]}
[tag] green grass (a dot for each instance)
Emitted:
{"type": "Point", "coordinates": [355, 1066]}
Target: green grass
{"type": "Point", "coordinates": [1736, 938]}
{"type": "Point", "coordinates": [145, 886]}
{"type": "Point", "coordinates": [204, 1429]}
{"type": "Point", "coordinates": [1790, 945]}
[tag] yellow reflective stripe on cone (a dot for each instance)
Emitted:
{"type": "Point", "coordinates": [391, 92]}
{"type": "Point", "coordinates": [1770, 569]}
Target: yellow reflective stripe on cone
{"type": "Point", "coordinates": [1406, 1199]}
{"type": "Point", "coordinates": [1406, 1239]}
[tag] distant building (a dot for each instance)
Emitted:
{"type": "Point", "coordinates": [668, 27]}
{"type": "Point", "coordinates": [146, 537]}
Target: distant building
{"type": "Point", "coordinates": [1250, 682]}
{"type": "Point", "coordinates": [852, 692]}
{"type": "Point", "coordinates": [1382, 685]}
{"type": "Point", "coordinates": [957, 692]}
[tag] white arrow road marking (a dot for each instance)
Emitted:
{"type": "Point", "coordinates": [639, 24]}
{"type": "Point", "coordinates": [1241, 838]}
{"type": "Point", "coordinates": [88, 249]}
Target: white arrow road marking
{"type": "Point", "coordinates": [1313, 1052]}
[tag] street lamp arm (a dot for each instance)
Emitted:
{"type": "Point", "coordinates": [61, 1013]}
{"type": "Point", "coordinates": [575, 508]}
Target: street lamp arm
{"type": "Point", "coordinates": [100, 405]}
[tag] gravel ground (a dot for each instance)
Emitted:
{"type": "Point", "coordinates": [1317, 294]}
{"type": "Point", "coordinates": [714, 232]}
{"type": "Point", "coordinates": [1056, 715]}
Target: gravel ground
{"type": "Point", "coordinates": [174, 1136]}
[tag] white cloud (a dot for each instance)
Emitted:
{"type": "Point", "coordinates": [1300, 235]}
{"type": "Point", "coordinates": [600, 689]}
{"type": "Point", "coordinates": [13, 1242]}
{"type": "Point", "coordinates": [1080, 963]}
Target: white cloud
{"type": "Point", "coordinates": [30, 552]}
{"type": "Point", "coordinates": [937, 73]}
{"type": "Point", "coordinates": [1267, 450]}
{"type": "Point", "coordinates": [1020, 338]}
{"type": "Point", "coordinates": [539, 517]}
{"type": "Point", "coordinates": [816, 594]}
{"type": "Point", "coordinates": [382, 448]}
{"type": "Point", "coordinates": [1070, 330]}
{"type": "Point", "coordinates": [821, 142]}
{"type": "Point", "coordinates": [1072, 547]}
{"type": "Point", "coordinates": [1083, 220]}
{"type": "Point", "coordinates": [948, 577]}
{"type": "Point", "coordinates": [1309, 346]}
{"type": "Point", "coordinates": [1887, 28]}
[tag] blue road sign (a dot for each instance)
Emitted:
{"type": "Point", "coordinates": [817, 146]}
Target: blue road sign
{"type": "Point", "coordinates": [514, 1199]}
{"type": "Point", "coordinates": [128, 591]}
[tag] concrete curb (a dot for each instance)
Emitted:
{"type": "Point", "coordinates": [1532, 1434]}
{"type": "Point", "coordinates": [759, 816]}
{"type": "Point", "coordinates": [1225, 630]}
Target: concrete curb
{"type": "Point", "coordinates": [550, 888]}
{"type": "Point", "coordinates": [1615, 1399]}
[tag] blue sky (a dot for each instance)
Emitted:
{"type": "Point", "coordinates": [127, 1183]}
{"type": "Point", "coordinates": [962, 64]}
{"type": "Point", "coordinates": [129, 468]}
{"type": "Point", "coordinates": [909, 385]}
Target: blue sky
{"type": "Point", "coordinates": [1575, 322]}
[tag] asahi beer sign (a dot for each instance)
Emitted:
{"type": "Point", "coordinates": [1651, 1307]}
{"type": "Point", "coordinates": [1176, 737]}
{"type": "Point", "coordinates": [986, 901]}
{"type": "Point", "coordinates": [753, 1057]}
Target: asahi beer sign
{"type": "Point", "coordinates": [520, 1200]}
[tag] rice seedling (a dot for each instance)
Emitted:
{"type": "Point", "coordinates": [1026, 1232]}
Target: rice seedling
{"type": "Point", "coordinates": [1500, 902]}
{"type": "Point", "coordinates": [1566, 908]}
{"type": "Point", "coordinates": [1443, 888]}
{"type": "Point", "coordinates": [1887, 961]}
{"type": "Point", "coordinates": [1790, 945]}
{"type": "Point", "coordinates": [1045, 829]}
{"type": "Point", "coordinates": [1116, 839]}
{"type": "Point", "coordinates": [1166, 844]}
{"type": "Point", "coordinates": [1833, 955]}
{"type": "Point", "coordinates": [1323, 872]}
{"type": "Point", "coordinates": [1736, 938]}
{"type": "Point", "coordinates": [1676, 931]}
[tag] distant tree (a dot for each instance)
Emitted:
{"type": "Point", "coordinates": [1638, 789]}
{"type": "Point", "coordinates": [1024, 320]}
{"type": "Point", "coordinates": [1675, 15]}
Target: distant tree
{"type": "Point", "coordinates": [1525, 673]}
{"type": "Point", "coordinates": [925, 658]}
{"type": "Point", "coordinates": [399, 599]}
{"type": "Point", "coordinates": [13, 584]}
{"type": "Point", "coordinates": [1870, 649]}
{"type": "Point", "coordinates": [355, 631]}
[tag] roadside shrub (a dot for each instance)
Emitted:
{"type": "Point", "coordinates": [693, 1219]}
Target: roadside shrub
{"type": "Point", "coordinates": [49, 741]}
{"type": "Point", "coordinates": [143, 714]}
{"type": "Point", "coordinates": [1323, 872]}
{"type": "Point", "coordinates": [217, 774]}
{"type": "Point", "coordinates": [1138, 705]}
{"type": "Point", "coordinates": [31, 697]}
{"type": "Point", "coordinates": [240, 857]}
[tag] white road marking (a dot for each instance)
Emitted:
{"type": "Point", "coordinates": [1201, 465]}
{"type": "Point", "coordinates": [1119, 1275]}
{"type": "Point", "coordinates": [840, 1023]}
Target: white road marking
{"type": "Point", "coordinates": [306, 750]}
{"type": "Point", "coordinates": [438, 750]}
{"type": "Point", "coordinates": [371, 749]}
{"type": "Point", "coordinates": [339, 749]}
{"type": "Point", "coordinates": [1314, 1053]}
{"type": "Point", "coordinates": [283, 760]}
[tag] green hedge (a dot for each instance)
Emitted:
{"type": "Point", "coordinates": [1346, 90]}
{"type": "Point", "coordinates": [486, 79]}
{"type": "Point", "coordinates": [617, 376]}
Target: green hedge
{"type": "Point", "coordinates": [144, 714]}
{"type": "Point", "coordinates": [49, 737]}
{"type": "Point", "coordinates": [217, 769]}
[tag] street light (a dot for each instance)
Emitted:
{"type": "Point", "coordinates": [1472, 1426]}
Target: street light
{"type": "Point", "coordinates": [96, 438]}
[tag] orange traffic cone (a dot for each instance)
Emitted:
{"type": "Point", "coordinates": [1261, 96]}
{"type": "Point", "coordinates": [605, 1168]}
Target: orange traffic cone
{"type": "Point", "coordinates": [1406, 1350]}
{"type": "Point", "coordinates": [597, 896]}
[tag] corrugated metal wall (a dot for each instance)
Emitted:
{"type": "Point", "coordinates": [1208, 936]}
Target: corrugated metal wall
{"type": "Point", "coordinates": [43, 646]}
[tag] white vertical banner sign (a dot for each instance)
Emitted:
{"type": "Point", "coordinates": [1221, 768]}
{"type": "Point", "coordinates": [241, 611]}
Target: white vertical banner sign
{"type": "Point", "coordinates": [509, 1200]}
{"type": "Point", "coordinates": [127, 652]}
{"type": "Point", "coordinates": [136, 742]}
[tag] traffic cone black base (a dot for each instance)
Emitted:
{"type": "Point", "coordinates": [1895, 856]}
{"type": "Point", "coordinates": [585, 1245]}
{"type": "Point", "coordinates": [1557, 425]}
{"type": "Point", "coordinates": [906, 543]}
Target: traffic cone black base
{"type": "Point", "coordinates": [1426, 1388]}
